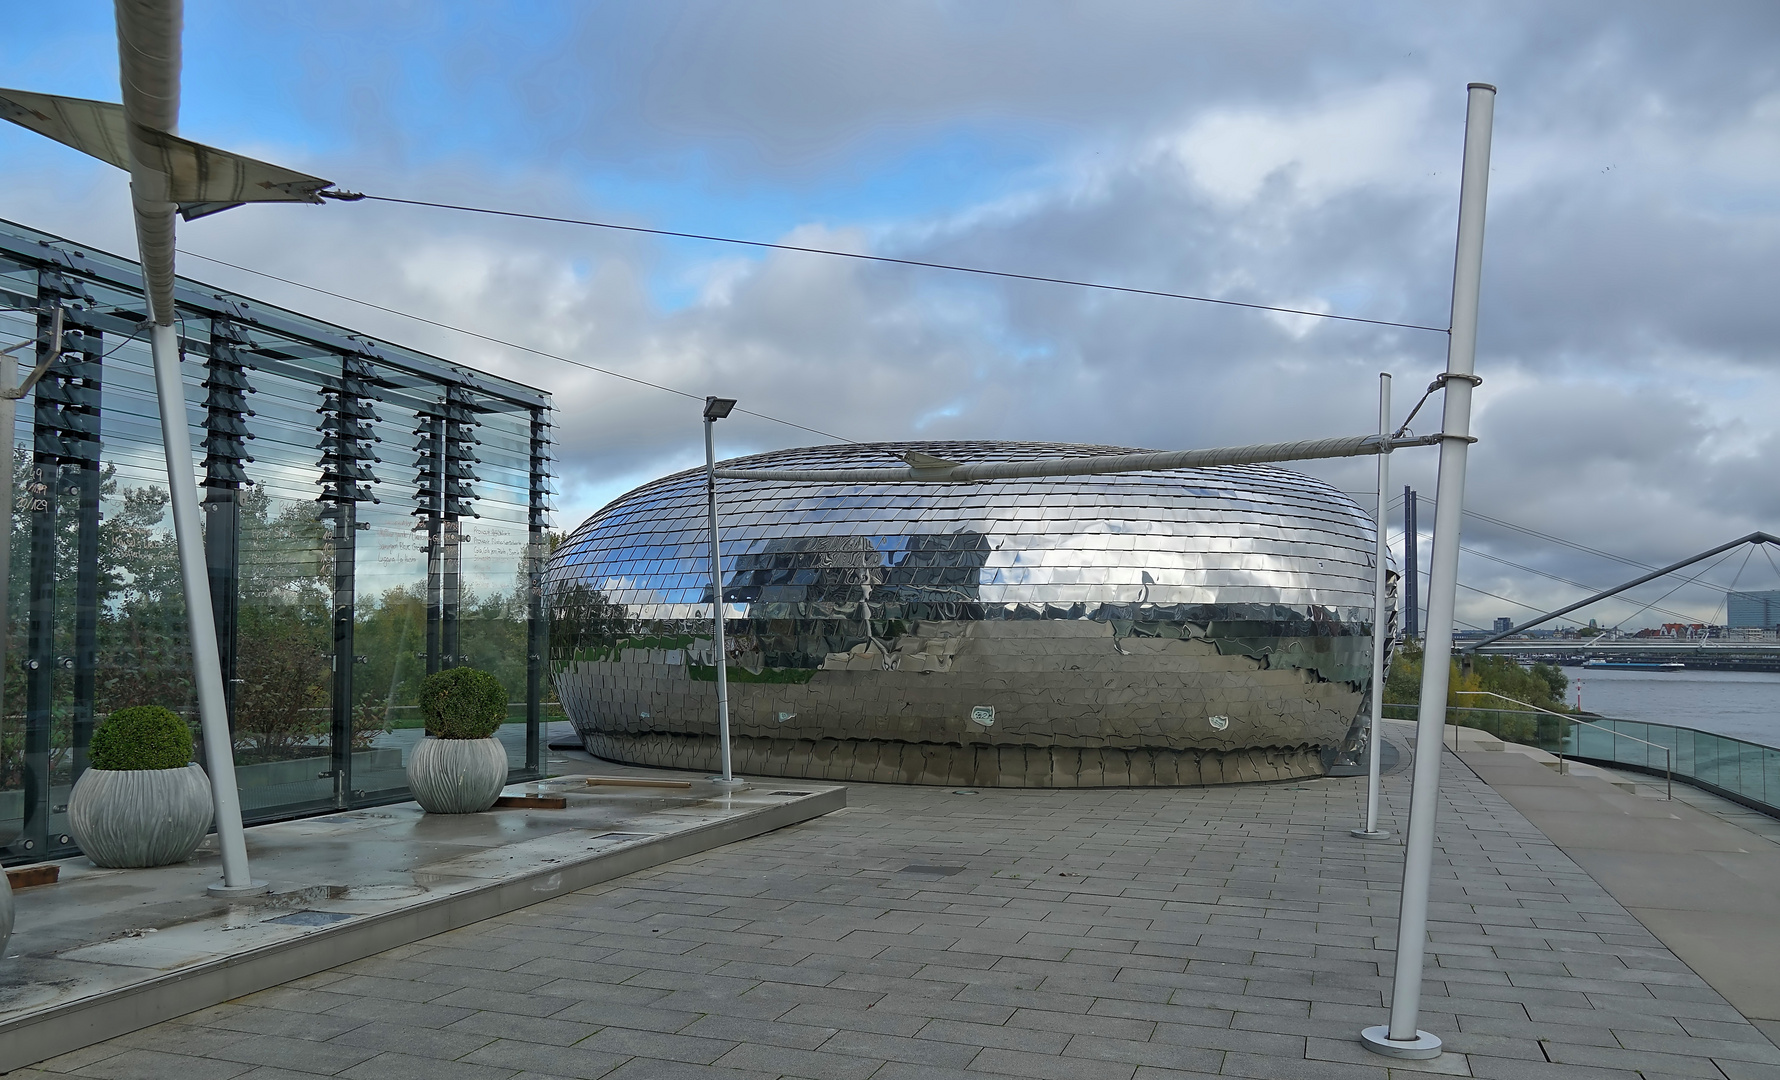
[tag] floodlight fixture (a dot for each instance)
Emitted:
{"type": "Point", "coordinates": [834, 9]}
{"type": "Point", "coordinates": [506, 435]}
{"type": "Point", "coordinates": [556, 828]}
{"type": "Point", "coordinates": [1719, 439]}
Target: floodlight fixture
{"type": "Point", "coordinates": [716, 408]}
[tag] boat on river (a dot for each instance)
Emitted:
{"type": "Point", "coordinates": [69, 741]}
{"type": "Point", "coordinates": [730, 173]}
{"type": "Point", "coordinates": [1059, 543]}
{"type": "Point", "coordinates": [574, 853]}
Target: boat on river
{"type": "Point", "coordinates": [1635, 665]}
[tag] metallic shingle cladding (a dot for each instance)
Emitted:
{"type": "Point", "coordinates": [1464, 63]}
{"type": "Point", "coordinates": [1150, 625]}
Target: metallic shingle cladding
{"type": "Point", "coordinates": [1150, 603]}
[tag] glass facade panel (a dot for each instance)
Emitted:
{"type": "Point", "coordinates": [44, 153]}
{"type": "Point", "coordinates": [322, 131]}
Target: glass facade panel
{"type": "Point", "coordinates": [333, 468]}
{"type": "Point", "coordinates": [390, 616]}
{"type": "Point", "coordinates": [1749, 761]}
{"type": "Point", "coordinates": [1742, 770]}
{"type": "Point", "coordinates": [495, 562]}
{"type": "Point", "coordinates": [282, 683]}
{"type": "Point", "coordinates": [1711, 759]}
{"type": "Point", "coordinates": [18, 322]}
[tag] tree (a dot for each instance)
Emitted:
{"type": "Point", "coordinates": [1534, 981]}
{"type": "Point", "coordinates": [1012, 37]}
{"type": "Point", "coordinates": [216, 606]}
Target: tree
{"type": "Point", "coordinates": [144, 645]}
{"type": "Point", "coordinates": [1541, 686]}
{"type": "Point", "coordinates": [141, 641]}
{"type": "Point", "coordinates": [581, 617]}
{"type": "Point", "coordinates": [390, 633]}
{"type": "Point", "coordinates": [284, 640]}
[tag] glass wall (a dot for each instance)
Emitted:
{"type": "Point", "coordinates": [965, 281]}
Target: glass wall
{"type": "Point", "coordinates": [495, 563]}
{"type": "Point", "coordinates": [390, 615]}
{"type": "Point", "coordinates": [1745, 771]}
{"type": "Point", "coordinates": [18, 323]}
{"type": "Point", "coordinates": [281, 677]}
{"type": "Point", "coordinates": [370, 515]}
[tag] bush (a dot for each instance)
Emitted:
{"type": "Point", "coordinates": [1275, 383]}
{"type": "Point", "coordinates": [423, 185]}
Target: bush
{"type": "Point", "coordinates": [462, 703]}
{"type": "Point", "coordinates": [141, 737]}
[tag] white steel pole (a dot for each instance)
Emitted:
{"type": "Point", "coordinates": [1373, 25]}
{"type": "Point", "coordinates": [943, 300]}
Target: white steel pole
{"type": "Point", "coordinates": [1402, 1038]}
{"type": "Point", "coordinates": [717, 643]}
{"type": "Point", "coordinates": [148, 47]}
{"type": "Point", "coordinates": [1381, 640]}
{"type": "Point", "coordinates": [213, 711]}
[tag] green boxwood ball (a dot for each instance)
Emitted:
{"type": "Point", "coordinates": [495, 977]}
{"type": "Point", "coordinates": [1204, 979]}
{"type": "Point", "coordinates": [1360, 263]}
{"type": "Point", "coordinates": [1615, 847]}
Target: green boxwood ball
{"type": "Point", "coordinates": [141, 737]}
{"type": "Point", "coordinates": [462, 703]}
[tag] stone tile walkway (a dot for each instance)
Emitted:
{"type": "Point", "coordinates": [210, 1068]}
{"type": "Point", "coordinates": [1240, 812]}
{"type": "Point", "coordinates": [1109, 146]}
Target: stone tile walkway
{"type": "Point", "coordinates": [1064, 935]}
{"type": "Point", "coordinates": [1708, 888]}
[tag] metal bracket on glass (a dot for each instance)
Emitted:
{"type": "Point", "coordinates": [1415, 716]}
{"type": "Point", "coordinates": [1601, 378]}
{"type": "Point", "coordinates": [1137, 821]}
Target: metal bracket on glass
{"type": "Point", "coordinates": [42, 369]}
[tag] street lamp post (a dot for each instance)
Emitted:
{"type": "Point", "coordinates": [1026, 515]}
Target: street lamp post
{"type": "Point", "coordinates": [717, 408]}
{"type": "Point", "coordinates": [1380, 619]}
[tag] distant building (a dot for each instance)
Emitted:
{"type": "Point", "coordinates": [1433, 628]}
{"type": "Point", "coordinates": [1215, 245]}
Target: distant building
{"type": "Point", "coordinates": [1504, 624]}
{"type": "Point", "coordinates": [1754, 609]}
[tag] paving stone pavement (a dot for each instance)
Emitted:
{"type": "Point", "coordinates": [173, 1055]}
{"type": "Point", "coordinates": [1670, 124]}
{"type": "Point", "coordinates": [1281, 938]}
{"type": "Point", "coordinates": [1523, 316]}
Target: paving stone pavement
{"type": "Point", "coordinates": [1112, 934]}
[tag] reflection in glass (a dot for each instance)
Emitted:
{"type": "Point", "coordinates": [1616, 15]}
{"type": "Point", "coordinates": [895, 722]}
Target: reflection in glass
{"type": "Point", "coordinates": [316, 536]}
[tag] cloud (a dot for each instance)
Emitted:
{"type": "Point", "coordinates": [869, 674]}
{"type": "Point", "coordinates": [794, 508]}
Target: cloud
{"type": "Point", "coordinates": [1365, 139]}
{"type": "Point", "coordinates": [1276, 153]}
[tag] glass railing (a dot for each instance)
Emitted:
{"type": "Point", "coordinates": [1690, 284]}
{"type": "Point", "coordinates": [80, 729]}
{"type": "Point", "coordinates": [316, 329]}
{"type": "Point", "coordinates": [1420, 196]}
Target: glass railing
{"type": "Point", "coordinates": [1745, 772]}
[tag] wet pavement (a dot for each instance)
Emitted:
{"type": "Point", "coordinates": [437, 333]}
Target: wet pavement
{"type": "Point", "coordinates": [104, 951]}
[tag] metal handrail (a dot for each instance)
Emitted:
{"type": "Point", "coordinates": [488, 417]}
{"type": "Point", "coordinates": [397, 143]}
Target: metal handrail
{"type": "Point", "coordinates": [1668, 754]}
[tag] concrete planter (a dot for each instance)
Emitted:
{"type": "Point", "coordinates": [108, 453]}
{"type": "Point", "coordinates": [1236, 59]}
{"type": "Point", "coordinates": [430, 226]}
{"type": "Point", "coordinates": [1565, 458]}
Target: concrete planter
{"type": "Point", "coordinates": [457, 776]}
{"type": "Point", "coordinates": [140, 817]}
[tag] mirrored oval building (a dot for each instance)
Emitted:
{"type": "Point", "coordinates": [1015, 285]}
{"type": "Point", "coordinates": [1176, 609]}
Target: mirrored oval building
{"type": "Point", "coordinates": [1191, 627]}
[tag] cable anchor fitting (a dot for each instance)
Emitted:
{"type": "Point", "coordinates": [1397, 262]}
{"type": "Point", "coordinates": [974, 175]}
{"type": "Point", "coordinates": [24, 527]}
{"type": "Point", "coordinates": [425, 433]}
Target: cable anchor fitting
{"type": "Point", "coordinates": [1439, 383]}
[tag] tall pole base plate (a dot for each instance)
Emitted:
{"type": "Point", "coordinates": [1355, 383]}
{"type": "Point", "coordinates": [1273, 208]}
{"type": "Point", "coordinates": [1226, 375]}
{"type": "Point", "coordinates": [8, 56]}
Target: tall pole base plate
{"type": "Point", "coordinates": [731, 782]}
{"type": "Point", "coordinates": [1421, 1048]}
{"type": "Point", "coordinates": [256, 888]}
{"type": "Point", "coordinates": [1370, 834]}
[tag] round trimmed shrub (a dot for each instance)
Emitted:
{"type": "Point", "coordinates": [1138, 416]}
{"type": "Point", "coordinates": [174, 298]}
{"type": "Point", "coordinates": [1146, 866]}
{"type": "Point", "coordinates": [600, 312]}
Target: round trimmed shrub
{"type": "Point", "coordinates": [141, 737]}
{"type": "Point", "coordinates": [462, 703]}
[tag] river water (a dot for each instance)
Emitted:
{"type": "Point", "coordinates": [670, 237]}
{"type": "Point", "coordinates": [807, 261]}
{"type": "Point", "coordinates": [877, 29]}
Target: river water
{"type": "Point", "coordinates": [1741, 704]}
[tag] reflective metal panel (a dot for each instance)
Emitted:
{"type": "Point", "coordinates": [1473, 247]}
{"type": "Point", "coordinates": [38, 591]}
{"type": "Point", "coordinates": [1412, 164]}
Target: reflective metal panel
{"type": "Point", "coordinates": [1199, 626]}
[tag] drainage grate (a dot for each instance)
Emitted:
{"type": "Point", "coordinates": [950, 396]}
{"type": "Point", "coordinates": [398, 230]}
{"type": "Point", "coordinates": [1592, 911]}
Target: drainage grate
{"type": "Point", "coordinates": [936, 871]}
{"type": "Point", "coordinates": [311, 918]}
{"type": "Point", "coordinates": [793, 794]}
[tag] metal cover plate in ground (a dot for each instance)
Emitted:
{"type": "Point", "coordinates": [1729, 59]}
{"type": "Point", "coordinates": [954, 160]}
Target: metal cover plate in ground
{"type": "Point", "coordinates": [311, 918]}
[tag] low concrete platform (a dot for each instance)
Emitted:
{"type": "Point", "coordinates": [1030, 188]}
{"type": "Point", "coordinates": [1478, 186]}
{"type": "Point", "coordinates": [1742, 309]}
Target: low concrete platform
{"type": "Point", "coordinates": [104, 952]}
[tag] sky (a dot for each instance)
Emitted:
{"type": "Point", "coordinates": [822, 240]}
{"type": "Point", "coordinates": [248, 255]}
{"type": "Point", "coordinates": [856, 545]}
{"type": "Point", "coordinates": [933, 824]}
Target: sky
{"type": "Point", "coordinates": [1297, 154]}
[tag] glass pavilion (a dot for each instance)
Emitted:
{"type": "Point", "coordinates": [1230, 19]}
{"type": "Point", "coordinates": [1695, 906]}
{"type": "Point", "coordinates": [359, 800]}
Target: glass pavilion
{"type": "Point", "coordinates": [371, 514]}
